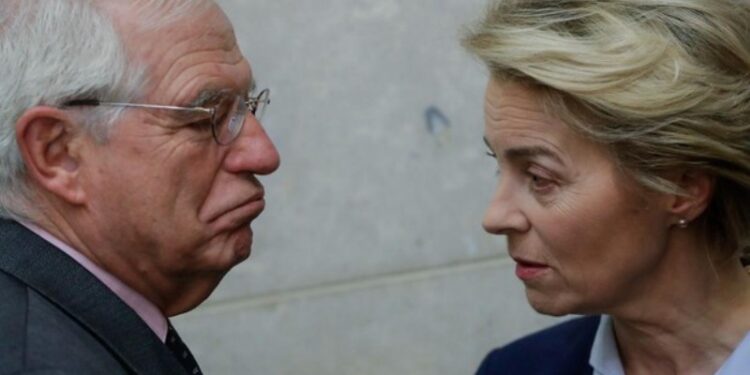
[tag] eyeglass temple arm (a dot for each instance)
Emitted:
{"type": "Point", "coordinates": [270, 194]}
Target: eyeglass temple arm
{"type": "Point", "coordinates": [96, 103]}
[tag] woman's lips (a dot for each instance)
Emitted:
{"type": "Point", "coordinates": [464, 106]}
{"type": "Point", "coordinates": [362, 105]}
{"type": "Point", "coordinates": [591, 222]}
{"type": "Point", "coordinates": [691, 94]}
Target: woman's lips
{"type": "Point", "coordinates": [527, 270]}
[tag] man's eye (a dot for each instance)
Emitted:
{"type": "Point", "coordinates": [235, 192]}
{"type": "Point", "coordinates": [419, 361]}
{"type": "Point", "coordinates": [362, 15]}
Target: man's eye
{"type": "Point", "coordinates": [221, 112]}
{"type": "Point", "coordinates": [201, 125]}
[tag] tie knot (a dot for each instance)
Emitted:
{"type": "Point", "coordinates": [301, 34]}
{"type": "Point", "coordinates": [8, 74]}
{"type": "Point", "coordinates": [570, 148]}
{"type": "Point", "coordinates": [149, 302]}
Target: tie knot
{"type": "Point", "coordinates": [181, 351]}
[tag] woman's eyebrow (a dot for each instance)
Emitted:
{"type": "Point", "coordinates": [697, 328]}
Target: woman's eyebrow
{"type": "Point", "coordinates": [531, 152]}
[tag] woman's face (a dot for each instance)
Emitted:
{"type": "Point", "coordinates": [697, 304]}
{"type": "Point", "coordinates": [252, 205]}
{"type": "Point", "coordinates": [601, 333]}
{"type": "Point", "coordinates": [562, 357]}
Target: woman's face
{"type": "Point", "coordinates": [584, 237]}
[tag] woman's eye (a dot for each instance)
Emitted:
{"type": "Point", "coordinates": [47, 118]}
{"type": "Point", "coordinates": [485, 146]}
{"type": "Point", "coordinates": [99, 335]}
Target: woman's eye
{"type": "Point", "coordinates": [493, 155]}
{"type": "Point", "coordinates": [498, 170]}
{"type": "Point", "coordinates": [540, 183]}
{"type": "Point", "coordinates": [489, 151]}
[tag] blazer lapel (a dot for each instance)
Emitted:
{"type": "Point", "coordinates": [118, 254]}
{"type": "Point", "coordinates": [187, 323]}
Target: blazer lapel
{"type": "Point", "coordinates": [81, 295]}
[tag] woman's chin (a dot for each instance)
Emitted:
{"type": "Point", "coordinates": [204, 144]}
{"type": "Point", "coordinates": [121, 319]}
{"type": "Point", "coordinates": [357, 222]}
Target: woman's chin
{"type": "Point", "coordinates": [549, 305]}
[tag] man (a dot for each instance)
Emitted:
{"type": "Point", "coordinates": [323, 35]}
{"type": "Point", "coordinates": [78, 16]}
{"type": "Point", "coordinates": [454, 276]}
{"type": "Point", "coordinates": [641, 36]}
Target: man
{"type": "Point", "coordinates": [129, 149]}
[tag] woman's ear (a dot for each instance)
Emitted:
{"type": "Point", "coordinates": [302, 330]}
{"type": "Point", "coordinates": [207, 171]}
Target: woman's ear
{"type": "Point", "coordinates": [698, 188]}
{"type": "Point", "coordinates": [50, 147]}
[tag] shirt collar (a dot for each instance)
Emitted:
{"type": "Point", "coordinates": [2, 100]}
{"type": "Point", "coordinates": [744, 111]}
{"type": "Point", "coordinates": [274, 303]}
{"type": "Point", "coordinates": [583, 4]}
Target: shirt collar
{"type": "Point", "coordinates": [604, 357]}
{"type": "Point", "coordinates": [739, 361]}
{"type": "Point", "coordinates": [150, 314]}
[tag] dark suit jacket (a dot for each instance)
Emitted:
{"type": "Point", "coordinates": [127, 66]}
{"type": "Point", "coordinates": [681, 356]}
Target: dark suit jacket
{"type": "Point", "coordinates": [560, 350]}
{"type": "Point", "coordinates": [57, 318]}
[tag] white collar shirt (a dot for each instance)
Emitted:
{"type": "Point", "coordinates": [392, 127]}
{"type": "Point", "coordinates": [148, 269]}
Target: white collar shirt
{"type": "Point", "coordinates": [605, 359]}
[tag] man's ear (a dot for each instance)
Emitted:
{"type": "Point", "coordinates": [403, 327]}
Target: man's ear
{"type": "Point", "coordinates": [50, 146]}
{"type": "Point", "coordinates": [698, 188]}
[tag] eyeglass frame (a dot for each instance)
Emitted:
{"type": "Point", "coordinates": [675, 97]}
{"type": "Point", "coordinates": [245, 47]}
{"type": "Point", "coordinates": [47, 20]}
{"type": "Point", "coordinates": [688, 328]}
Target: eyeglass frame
{"type": "Point", "coordinates": [250, 105]}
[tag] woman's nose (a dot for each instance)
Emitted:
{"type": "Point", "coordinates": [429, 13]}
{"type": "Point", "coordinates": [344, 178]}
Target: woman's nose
{"type": "Point", "coordinates": [504, 213]}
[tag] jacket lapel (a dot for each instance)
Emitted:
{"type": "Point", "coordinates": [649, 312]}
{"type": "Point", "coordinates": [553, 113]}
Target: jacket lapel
{"type": "Point", "coordinates": [73, 289]}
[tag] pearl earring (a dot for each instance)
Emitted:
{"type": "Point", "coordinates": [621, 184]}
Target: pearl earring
{"type": "Point", "coordinates": [682, 223]}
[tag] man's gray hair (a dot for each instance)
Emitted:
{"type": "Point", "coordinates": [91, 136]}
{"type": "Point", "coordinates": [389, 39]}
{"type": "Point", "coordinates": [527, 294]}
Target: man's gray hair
{"type": "Point", "coordinates": [53, 51]}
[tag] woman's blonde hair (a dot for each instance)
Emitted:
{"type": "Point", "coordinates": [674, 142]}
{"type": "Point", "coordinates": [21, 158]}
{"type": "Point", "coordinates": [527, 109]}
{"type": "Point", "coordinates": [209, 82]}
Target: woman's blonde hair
{"type": "Point", "coordinates": [664, 83]}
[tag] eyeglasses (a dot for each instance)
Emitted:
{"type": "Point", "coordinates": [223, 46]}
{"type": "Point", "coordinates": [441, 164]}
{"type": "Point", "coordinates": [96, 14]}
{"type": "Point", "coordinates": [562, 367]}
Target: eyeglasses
{"type": "Point", "coordinates": [225, 125]}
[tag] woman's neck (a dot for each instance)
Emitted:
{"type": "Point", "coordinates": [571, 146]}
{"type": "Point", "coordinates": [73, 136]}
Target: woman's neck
{"type": "Point", "coordinates": [689, 320]}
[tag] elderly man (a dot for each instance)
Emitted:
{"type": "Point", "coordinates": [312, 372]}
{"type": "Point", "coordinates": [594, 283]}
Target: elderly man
{"type": "Point", "coordinates": [129, 149]}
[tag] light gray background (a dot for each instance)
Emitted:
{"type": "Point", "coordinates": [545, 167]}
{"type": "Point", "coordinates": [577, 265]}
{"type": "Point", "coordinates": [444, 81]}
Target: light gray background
{"type": "Point", "coordinates": [370, 257]}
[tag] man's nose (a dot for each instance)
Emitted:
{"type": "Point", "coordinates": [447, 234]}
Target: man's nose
{"type": "Point", "coordinates": [252, 151]}
{"type": "Point", "coordinates": [504, 213]}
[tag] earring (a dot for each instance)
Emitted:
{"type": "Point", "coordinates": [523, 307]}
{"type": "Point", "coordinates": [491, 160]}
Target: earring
{"type": "Point", "coordinates": [682, 223]}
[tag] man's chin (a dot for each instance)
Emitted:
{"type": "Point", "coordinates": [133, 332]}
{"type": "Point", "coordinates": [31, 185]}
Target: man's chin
{"type": "Point", "coordinates": [242, 243]}
{"type": "Point", "coordinates": [193, 294]}
{"type": "Point", "coordinates": [224, 251]}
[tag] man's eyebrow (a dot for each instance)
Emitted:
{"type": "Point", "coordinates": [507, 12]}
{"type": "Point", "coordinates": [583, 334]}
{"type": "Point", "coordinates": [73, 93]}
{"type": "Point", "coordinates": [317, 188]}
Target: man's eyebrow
{"type": "Point", "coordinates": [206, 97]}
{"type": "Point", "coordinates": [530, 152]}
{"type": "Point", "coordinates": [209, 96]}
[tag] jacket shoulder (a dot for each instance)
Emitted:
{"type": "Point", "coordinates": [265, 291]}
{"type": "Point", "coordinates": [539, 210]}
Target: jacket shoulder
{"type": "Point", "coordinates": [561, 349]}
{"type": "Point", "coordinates": [38, 337]}
{"type": "Point", "coordinates": [13, 295]}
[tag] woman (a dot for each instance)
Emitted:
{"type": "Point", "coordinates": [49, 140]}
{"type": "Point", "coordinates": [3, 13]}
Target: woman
{"type": "Point", "coordinates": [622, 132]}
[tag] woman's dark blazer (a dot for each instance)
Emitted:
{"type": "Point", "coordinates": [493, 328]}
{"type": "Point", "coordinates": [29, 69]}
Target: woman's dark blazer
{"type": "Point", "coordinates": [559, 350]}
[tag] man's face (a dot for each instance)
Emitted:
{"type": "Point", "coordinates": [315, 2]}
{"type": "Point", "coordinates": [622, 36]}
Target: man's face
{"type": "Point", "coordinates": [169, 208]}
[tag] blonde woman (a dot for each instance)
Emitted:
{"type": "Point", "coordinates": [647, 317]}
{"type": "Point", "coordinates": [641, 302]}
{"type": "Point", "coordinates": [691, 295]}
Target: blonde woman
{"type": "Point", "coordinates": [622, 133]}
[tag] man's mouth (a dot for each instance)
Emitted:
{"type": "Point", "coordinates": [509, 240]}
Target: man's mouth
{"type": "Point", "coordinates": [239, 215]}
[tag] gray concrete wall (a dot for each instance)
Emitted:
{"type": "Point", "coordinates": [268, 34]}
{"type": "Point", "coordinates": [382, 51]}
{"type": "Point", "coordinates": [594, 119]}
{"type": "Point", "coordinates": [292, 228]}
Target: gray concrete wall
{"type": "Point", "coordinates": [370, 258]}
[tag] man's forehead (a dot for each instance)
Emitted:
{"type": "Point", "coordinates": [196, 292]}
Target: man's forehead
{"type": "Point", "coordinates": [166, 49]}
{"type": "Point", "coordinates": [155, 12]}
{"type": "Point", "coordinates": [136, 18]}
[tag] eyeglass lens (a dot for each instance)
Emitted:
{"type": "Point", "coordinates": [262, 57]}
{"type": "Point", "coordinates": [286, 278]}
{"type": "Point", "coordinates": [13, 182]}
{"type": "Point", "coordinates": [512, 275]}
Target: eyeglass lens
{"type": "Point", "coordinates": [226, 130]}
{"type": "Point", "coordinates": [261, 103]}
